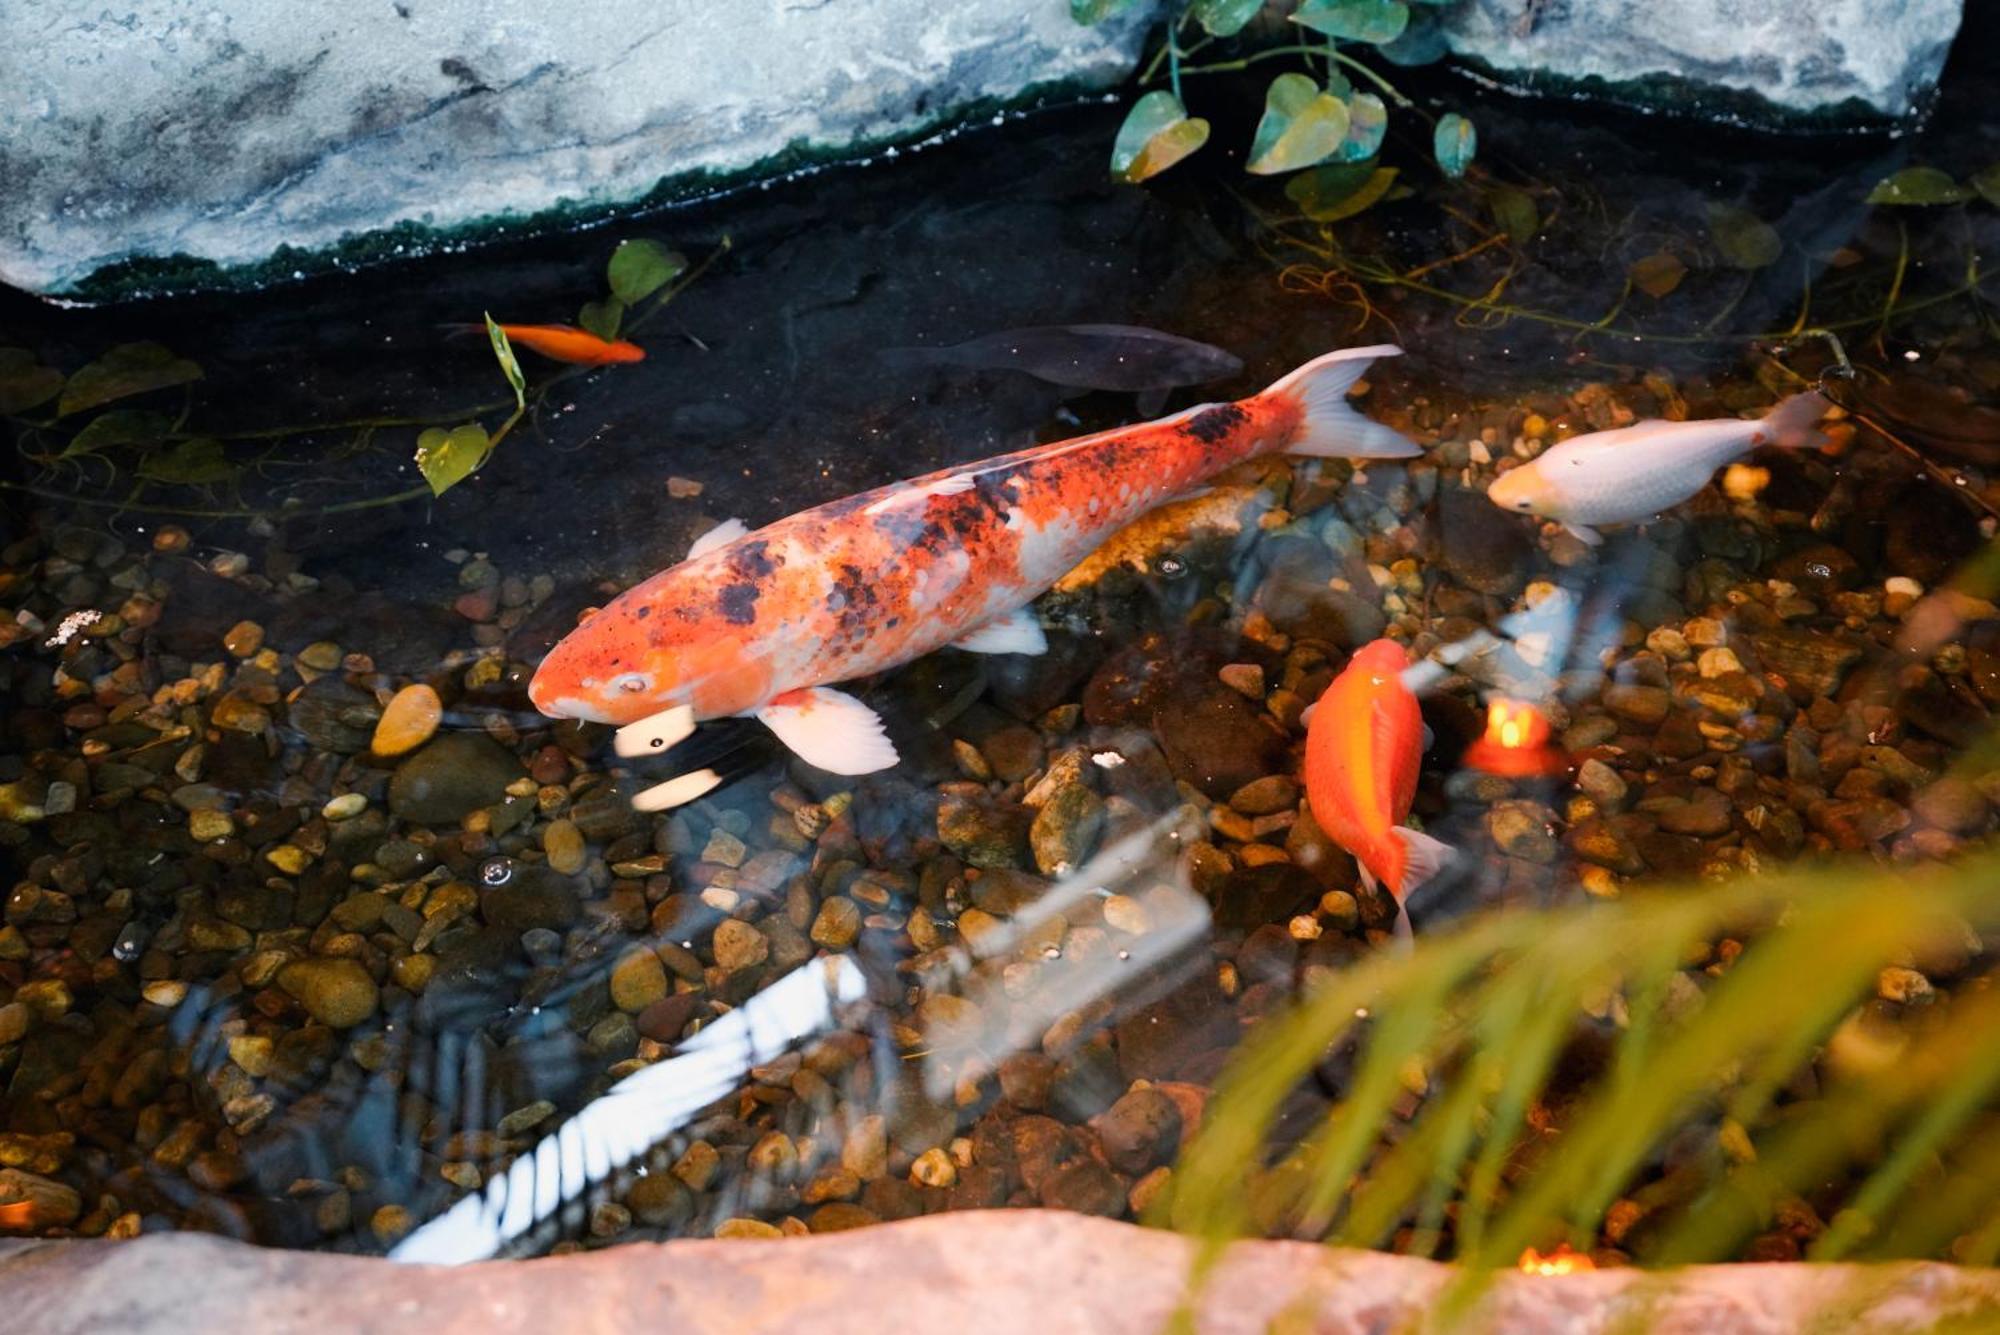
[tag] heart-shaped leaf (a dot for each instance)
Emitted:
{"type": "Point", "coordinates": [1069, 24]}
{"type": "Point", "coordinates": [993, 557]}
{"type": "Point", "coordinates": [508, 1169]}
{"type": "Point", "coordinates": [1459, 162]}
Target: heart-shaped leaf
{"type": "Point", "coordinates": [601, 318]}
{"type": "Point", "coordinates": [1919, 185]}
{"type": "Point", "coordinates": [1367, 123]}
{"type": "Point", "coordinates": [120, 426]}
{"type": "Point", "coordinates": [1454, 143]}
{"type": "Point", "coordinates": [1987, 183]}
{"type": "Point", "coordinates": [1224, 18]}
{"type": "Point", "coordinates": [1657, 274]}
{"type": "Point", "coordinates": [129, 368]}
{"type": "Point", "coordinates": [1156, 134]}
{"type": "Point", "coordinates": [1745, 240]}
{"type": "Point", "coordinates": [509, 365]}
{"type": "Point", "coordinates": [1301, 125]}
{"type": "Point", "coordinates": [639, 268]}
{"type": "Point", "coordinates": [447, 458]}
{"type": "Point", "coordinates": [1339, 190]}
{"type": "Point", "coordinates": [1376, 21]}
{"type": "Point", "coordinates": [1096, 11]}
{"type": "Point", "coordinates": [190, 463]}
{"type": "Point", "coordinates": [1514, 209]}
{"type": "Point", "coordinates": [23, 383]}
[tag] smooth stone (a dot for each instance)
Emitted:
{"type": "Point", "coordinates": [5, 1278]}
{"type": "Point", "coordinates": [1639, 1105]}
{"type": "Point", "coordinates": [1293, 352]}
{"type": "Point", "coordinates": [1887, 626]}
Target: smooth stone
{"type": "Point", "coordinates": [337, 992]}
{"type": "Point", "coordinates": [408, 722]}
{"type": "Point", "coordinates": [452, 776]}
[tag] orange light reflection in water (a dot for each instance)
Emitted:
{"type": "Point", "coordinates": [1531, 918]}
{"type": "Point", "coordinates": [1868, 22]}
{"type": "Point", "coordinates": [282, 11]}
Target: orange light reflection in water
{"type": "Point", "coordinates": [1516, 744]}
{"type": "Point", "coordinates": [1561, 1261]}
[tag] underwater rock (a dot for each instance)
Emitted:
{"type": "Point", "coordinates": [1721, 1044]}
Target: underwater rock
{"type": "Point", "coordinates": [1218, 741]}
{"type": "Point", "coordinates": [377, 131]}
{"type": "Point", "coordinates": [336, 992]}
{"type": "Point", "coordinates": [1793, 61]}
{"type": "Point", "coordinates": [456, 774]}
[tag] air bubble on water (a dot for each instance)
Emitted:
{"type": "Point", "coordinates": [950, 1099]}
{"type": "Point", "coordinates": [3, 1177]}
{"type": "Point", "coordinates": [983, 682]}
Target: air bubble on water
{"type": "Point", "coordinates": [131, 942]}
{"type": "Point", "coordinates": [496, 871]}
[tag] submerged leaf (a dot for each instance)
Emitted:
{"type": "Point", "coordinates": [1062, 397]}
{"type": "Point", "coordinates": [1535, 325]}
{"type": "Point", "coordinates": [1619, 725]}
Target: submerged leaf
{"type": "Point", "coordinates": [23, 383]}
{"type": "Point", "coordinates": [1375, 21]}
{"type": "Point", "coordinates": [1156, 134]}
{"type": "Point", "coordinates": [1367, 123]}
{"type": "Point", "coordinates": [509, 365]}
{"type": "Point", "coordinates": [1096, 11]}
{"type": "Point", "coordinates": [191, 463]}
{"type": "Point", "coordinates": [1224, 18]}
{"type": "Point", "coordinates": [1657, 274]}
{"type": "Point", "coordinates": [1745, 240]}
{"type": "Point", "coordinates": [129, 368]}
{"type": "Point", "coordinates": [446, 458]}
{"type": "Point", "coordinates": [601, 318]}
{"type": "Point", "coordinates": [1301, 125]}
{"type": "Point", "coordinates": [120, 426]}
{"type": "Point", "coordinates": [639, 268]}
{"type": "Point", "coordinates": [1454, 143]}
{"type": "Point", "coordinates": [1340, 190]}
{"type": "Point", "coordinates": [1514, 209]}
{"type": "Point", "coordinates": [1919, 185]}
{"type": "Point", "coordinates": [1987, 183]}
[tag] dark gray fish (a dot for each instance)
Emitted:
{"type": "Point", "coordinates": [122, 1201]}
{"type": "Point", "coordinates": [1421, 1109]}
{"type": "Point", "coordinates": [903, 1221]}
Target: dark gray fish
{"type": "Point", "coordinates": [1083, 356]}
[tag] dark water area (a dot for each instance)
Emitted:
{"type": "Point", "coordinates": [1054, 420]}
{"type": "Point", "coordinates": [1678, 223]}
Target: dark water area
{"type": "Point", "coordinates": [258, 980]}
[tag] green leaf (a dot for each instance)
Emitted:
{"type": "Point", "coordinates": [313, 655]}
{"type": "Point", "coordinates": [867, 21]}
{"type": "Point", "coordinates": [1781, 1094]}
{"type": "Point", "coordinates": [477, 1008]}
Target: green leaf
{"type": "Point", "coordinates": [1987, 183]}
{"type": "Point", "coordinates": [1919, 185]}
{"type": "Point", "coordinates": [1096, 11]}
{"type": "Point", "coordinates": [23, 383]}
{"type": "Point", "coordinates": [1156, 134]}
{"type": "Point", "coordinates": [1367, 123]}
{"type": "Point", "coordinates": [120, 426]}
{"type": "Point", "coordinates": [1301, 125]}
{"type": "Point", "coordinates": [504, 351]}
{"type": "Point", "coordinates": [1745, 240]}
{"type": "Point", "coordinates": [1339, 190]}
{"type": "Point", "coordinates": [129, 368]}
{"type": "Point", "coordinates": [601, 318]}
{"type": "Point", "coordinates": [1224, 18]}
{"type": "Point", "coordinates": [1375, 21]}
{"type": "Point", "coordinates": [1454, 143]}
{"type": "Point", "coordinates": [191, 463]}
{"type": "Point", "coordinates": [1657, 274]}
{"type": "Point", "coordinates": [640, 268]}
{"type": "Point", "coordinates": [447, 458]}
{"type": "Point", "coordinates": [1514, 209]}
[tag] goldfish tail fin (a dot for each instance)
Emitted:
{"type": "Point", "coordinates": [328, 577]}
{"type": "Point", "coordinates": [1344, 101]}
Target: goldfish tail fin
{"type": "Point", "coordinates": [1790, 425]}
{"type": "Point", "coordinates": [1423, 857]}
{"type": "Point", "coordinates": [1328, 426]}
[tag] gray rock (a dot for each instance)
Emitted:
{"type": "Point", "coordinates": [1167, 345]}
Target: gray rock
{"type": "Point", "coordinates": [1786, 61]}
{"type": "Point", "coordinates": [148, 131]}
{"type": "Point", "coordinates": [453, 775]}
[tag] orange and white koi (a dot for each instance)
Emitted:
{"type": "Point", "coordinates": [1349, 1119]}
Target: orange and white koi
{"type": "Point", "coordinates": [1364, 744]}
{"type": "Point", "coordinates": [762, 623]}
{"type": "Point", "coordinates": [566, 343]}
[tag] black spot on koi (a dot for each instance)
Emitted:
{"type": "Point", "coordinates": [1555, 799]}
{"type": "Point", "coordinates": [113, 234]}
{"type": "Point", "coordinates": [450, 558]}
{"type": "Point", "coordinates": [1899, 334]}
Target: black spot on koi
{"type": "Point", "coordinates": [1214, 425]}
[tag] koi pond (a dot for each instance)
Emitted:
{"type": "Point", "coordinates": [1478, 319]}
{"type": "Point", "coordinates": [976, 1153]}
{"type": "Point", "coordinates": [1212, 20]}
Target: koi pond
{"type": "Point", "coordinates": [315, 925]}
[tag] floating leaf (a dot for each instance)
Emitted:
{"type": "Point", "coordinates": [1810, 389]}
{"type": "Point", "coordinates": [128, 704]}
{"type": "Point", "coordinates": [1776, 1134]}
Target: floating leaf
{"type": "Point", "coordinates": [1367, 123]}
{"type": "Point", "coordinates": [1919, 185]}
{"type": "Point", "coordinates": [446, 458]}
{"type": "Point", "coordinates": [1096, 11]}
{"type": "Point", "coordinates": [1376, 21]}
{"type": "Point", "coordinates": [1514, 209]}
{"type": "Point", "coordinates": [129, 368]}
{"type": "Point", "coordinates": [1224, 18]}
{"type": "Point", "coordinates": [601, 318]}
{"type": "Point", "coordinates": [1339, 190]}
{"type": "Point", "coordinates": [191, 463]}
{"type": "Point", "coordinates": [1301, 125]}
{"type": "Point", "coordinates": [24, 384]}
{"type": "Point", "coordinates": [509, 366]}
{"type": "Point", "coordinates": [640, 268]}
{"type": "Point", "coordinates": [120, 426]}
{"type": "Point", "coordinates": [1987, 183]}
{"type": "Point", "coordinates": [1453, 144]}
{"type": "Point", "coordinates": [1156, 134]}
{"type": "Point", "coordinates": [1657, 274]}
{"type": "Point", "coordinates": [1745, 240]}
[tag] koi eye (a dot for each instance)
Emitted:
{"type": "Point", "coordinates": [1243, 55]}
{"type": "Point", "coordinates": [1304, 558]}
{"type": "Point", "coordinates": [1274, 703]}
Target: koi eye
{"type": "Point", "coordinates": [631, 682]}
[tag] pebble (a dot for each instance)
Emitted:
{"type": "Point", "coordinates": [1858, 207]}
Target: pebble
{"type": "Point", "coordinates": [1601, 784]}
{"type": "Point", "coordinates": [408, 722]}
{"type": "Point", "coordinates": [344, 807]}
{"type": "Point", "coordinates": [837, 923]}
{"type": "Point", "coordinates": [336, 992]}
{"type": "Point", "coordinates": [638, 980]}
{"type": "Point", "coordinates": [1065, 830]}
{"type": "Point", "coordinates": [563, 843]}
{"type": "Point", "coordinates": [1266, 796]}
{"type": "Point", "coordinates": [739, 945]}
{"type": "Point", "coordinates": [243, 639]}
{"type": "Point", "coordinates": [1140, 1130]}
{"type": "Point", "coordinates": [451, 777]}
{"type": "Point", "coordinates": [1644, 705]}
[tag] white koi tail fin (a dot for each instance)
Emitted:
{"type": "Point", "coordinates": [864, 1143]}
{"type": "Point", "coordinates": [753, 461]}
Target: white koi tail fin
{"type": "Point", "coordinates": [1329, 426]}
{"type": "Point", "coordinates": [1791, 424]}
{"type": "Point", "coordinates": [1425, 857]}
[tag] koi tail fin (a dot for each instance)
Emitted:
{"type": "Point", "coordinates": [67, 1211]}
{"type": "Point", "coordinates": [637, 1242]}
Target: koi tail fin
{"type": "Point", "coordinates": [1412, 857]}
{"type": "Point", "coordinates": [1791, 424]}
{"type": "Point", "coordinates": [1328, 425]}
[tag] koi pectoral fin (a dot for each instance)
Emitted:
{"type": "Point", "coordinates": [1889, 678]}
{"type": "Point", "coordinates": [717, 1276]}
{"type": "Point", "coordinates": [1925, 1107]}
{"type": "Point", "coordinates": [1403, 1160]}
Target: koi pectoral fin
{"type": "Point", "coordinates": [669, 727]}
{"type": "Point", "coordinates": [677, 792]}
{"type": "Point", "coordinates": [1584, 534]}
{"type": "Point", "coordinates": [1016, 633]}
{"type": "Point", "coordinates": [830, 730]}
{"type": "Point", "coordinates": [728, 531]}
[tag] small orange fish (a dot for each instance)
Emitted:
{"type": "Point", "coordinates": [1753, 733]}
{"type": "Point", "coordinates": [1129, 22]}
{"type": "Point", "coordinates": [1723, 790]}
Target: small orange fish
{"type": "Point", "coordinates": [564, 343]}
{"type": "Point", "coordinates": [1364, 744]}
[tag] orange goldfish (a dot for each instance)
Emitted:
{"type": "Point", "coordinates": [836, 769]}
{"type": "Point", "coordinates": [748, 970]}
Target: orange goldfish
{"type": "Point", "coordinates": [1364, 743]}
{"type": "Point", "coordinates": [761, 623]}
{"type": "Point", "coordinates": [564, 343]}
